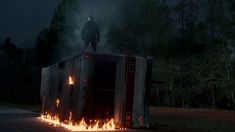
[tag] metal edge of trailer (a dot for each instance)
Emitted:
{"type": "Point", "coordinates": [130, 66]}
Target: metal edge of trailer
{"type": "Point", "coordinates": [139, 105]}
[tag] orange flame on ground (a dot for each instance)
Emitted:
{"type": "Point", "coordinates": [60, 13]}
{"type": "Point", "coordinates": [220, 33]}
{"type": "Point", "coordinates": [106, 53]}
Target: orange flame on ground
{"type": "Point", "coordinates": [71, 80]}
{"type": "Point", "coordinates": [79, 126]}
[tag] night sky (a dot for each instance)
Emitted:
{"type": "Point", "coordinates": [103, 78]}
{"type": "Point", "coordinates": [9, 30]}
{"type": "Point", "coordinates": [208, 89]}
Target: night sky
{"type": "Point", "coordinates": [22, 20]}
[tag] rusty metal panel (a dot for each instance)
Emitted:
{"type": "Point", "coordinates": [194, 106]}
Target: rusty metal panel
{"type": "Point", "coordinates": [130, 84]}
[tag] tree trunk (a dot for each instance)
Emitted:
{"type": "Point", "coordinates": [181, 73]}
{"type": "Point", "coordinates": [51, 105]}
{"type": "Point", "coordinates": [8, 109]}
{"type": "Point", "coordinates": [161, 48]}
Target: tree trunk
{"type": "Point", "coordinates": [227, 64]}
{"type": "Point", "coordinates": [182, 18]}
{"type": "Point", "coordinates": [158, 99]}
{"type": "Point", "coordinates": [212, 20]}
{"type": "Point", "coordinates": [213, 94]}
{"type": "Point", "coordinates": [233, 97]}
{"type": "Point", "coordinates": [182, 97]}
{"type": "Point", "coordinates": [172, 95]}
{"type": "Point", "coordinates": [167, 97]}
{"type": "Point", "coordinates": [192, 21]}
{"type": "Point", "coordinates": [182, 101]}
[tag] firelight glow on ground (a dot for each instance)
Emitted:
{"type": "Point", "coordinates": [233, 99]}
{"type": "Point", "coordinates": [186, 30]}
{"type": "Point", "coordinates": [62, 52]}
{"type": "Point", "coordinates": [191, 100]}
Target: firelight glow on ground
{"type": "Point", "coordinates": [109, 125]}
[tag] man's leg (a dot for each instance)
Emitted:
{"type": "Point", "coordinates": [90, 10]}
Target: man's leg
{"type": "Point", "coordinates": [86, 45]}
{"type": "Point", "coordinates": [94, 45]}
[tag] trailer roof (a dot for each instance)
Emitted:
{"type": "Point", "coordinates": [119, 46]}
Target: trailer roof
{"type": "Point", "coordinates": [70, 57]}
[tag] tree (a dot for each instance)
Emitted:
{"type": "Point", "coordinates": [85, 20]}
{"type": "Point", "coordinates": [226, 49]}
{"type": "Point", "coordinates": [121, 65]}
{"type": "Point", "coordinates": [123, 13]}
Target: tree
{"type": "Point", "coordinates": [141, 27]}
{"type": "Point", "coordinates": [55, 40]}
{"type": "Point", "coordinates": [11, 52]}
{"type": "Point", "coordinates": [44, 47]}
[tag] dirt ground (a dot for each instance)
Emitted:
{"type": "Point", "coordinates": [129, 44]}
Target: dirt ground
{"type": "Point", "coordinates": [203, 114]}
{"type": "Point", "coordinates": [192, 120]}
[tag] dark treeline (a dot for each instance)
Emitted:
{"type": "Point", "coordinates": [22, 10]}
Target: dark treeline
{"type": "Point", "coordinates": [19, 74]}
{"type": "Point", "coordinates": [191, 41]}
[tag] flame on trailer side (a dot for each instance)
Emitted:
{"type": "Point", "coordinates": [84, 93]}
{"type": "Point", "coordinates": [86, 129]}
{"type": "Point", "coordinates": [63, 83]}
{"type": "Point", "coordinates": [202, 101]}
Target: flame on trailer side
{"type": "Point", "coordinates": [71, 82]}
{"type": "Point", "coordinates": [93, 125]}
{"type": "Point", "coordinates": [82, 125]}
{"type": "Point", "coordinates": [57, 102]}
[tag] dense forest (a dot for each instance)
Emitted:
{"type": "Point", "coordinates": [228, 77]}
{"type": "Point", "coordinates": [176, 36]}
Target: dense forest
{"type": "Point", "coordinates": [192, 43]}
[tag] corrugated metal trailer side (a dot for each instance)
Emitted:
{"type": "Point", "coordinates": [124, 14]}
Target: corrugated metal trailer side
{"type": "Point", "coordinates": [85, 96]}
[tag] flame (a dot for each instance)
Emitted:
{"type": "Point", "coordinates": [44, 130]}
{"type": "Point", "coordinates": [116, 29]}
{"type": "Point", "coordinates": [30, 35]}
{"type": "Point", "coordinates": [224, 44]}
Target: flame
{"type": "Point", "coordinates": [71, 80]}
{"type": "Point", "coordinates": [95, 125]}
{"type": "Point", "coordinates": [57, 102]}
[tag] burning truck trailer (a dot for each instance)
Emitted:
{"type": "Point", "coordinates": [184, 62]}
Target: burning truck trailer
{"type": "Point", "coordinates": [95, 88]}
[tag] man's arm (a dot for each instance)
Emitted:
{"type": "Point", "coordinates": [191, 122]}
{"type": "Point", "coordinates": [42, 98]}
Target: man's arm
{"type": "Point", "coordinates": [97, 33]}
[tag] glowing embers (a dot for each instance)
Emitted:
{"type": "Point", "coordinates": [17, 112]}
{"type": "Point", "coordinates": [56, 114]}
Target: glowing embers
{"type": "Point", "coordinates": [57, 102]}
{"type": "Point", "coordinates": [71, 82]}
{"type": "Point", "coordinates": [93, 125]}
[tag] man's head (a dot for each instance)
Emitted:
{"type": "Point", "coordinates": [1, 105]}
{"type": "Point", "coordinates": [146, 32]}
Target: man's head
{"type": "Point", "coordinates": [90, 18]}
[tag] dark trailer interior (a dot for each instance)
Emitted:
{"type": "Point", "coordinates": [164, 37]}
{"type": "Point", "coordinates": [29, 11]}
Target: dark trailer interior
{"type": "Point", "coordinates": [101, 103]}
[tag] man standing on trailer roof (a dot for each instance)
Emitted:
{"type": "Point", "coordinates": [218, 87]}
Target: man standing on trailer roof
{"type": "Point", "coordinates": [91, 33]}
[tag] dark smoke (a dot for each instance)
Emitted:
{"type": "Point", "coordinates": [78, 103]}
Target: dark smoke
{"type": "Point", "coordinates": [105, 12]}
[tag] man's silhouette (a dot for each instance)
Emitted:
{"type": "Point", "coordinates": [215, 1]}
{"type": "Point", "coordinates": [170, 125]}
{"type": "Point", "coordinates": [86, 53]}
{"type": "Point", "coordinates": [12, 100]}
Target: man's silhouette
{"type": "Point", "coordinates": [91, 34]}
